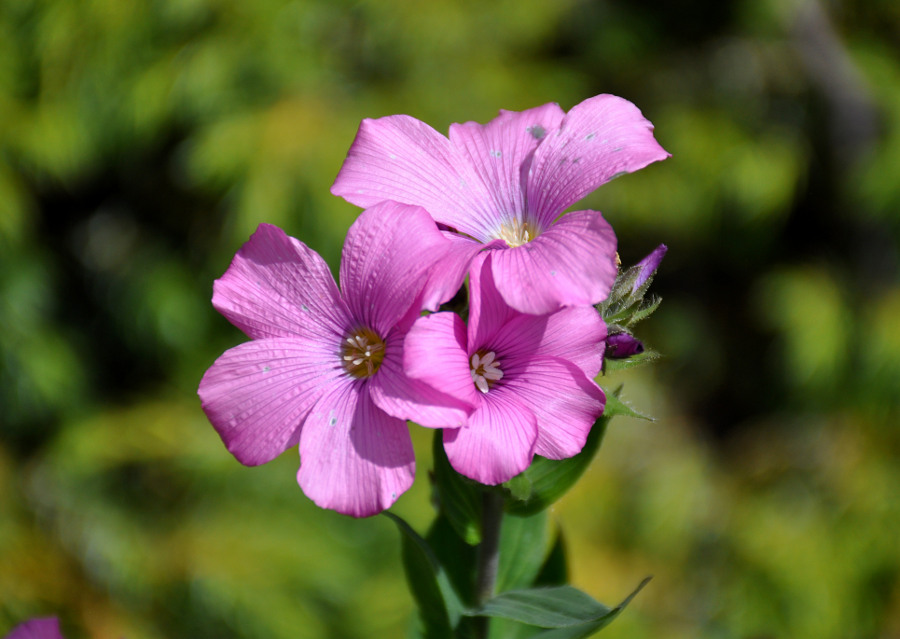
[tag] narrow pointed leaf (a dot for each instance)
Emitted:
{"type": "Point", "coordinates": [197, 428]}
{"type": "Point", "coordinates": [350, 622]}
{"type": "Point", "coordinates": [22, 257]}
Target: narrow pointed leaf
{"type": "Point", "coordinates": [553, 607]}
{"type": "Point", "coordinates": [457, 558]}
{"type": "Point", "coordinates": [555, 571]}
{"type": "Point", "coordinates": [559, 607]}
{"type": "Point", "coordinates": [439, 607]}
{"type": "Point", "coordinates": [523, 546]}
{"type": "Point", "coordinates": [459, 498]}
{"type": "Point", "coordinates": [591, 627]}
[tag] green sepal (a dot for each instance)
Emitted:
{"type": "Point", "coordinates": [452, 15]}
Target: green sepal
{"type": "Point", "coordinates": [644, 311]}
{"type": "Point", "coordinates": [567, 611]}
{"type": "Point", "coordinates": [648, 356]}
{"type": "Point", "coordinates": [438, 605]}
{"type": "Point", "coordinates": [546, 480]}
{"type": "Point", "coordinates": [615, 406]}
{"type": "Point", "coordinates": [457, 497]}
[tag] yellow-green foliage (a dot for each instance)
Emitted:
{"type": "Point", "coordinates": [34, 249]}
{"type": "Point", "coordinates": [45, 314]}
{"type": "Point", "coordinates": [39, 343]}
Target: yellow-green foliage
{"type": "Point", "coordinates": [142, 141]}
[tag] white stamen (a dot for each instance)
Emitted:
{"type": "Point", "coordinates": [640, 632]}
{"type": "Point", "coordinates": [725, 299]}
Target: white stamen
{"type": "Point", "coordinates": [485, 368]}
{"type": "Point", "coordinates": [493, 374]}
{"type": "Point", "coordinates": [516, 232]}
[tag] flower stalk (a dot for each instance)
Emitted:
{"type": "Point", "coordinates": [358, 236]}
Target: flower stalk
{"type": "Point", "coordinates": [488, 552]}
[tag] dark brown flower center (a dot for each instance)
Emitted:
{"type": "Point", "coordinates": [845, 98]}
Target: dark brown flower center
{"type": "Point", "coordinates": [362, 352]}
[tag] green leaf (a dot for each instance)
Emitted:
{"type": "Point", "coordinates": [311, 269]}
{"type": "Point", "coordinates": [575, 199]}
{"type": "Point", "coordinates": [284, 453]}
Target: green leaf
{"type": "Point", "coordinates": [589, 628]}
{"type": "Point", "coordinates": [553, 607]}
{"type": "Point", "coordinates": [546, 480]}
{"type": "Point", "coordinates": [439, 607]}
{"type": "Point", "coordinates": [523, 546]}
{"type": "Point", "coordinates": [571, 612]}
{"type": "Point", "coordinates": [458, 559]}
{"type": "Point", "coordinates": [459, 498]}
{"type": "Point", "coordinates": [555, 571]}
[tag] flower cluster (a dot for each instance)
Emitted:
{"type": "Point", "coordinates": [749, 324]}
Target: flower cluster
{"type": "Point", "coordinates": [339, 371]}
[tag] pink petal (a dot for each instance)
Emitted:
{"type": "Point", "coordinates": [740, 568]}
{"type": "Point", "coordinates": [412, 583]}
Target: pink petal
{"type": "Point", "coordinates": [564, 401]}
{"type": "Point", "coordinates": [402, 159]}
{"type": "Point", "coordinates": [448, 275]}
{"type": "Point", "coordinates": [42, 628]}
{"type": "Point", "coordinates": [257, 394]}
{"type": "Point", "coordinates": [277, 286]}
{"type": "Point", "coordinates": [493, 154]}
{"type": "Point", "coordinates": [488, 311]}
{"type": "Point", "coordinates": [435, 353]}
{"type": "Point", "coordinates": [578, 335]}
{"type": "Point", "coordinates": [572, 263]}
{"type": "Point", "coordinates": [388, 253]}
{"type": "Point", "coordinates": [354, 458]}
{"type": "Point", "coordinates": [404, 397]}
{"type": "Point", "coordinates": [599, 139]}
{"type": "Point", "coordinates": [497, 443]}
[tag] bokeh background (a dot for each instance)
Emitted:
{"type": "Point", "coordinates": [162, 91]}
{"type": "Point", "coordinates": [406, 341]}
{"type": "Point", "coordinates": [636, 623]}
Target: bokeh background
{"type": "Point", "coordinates": [142, 141]}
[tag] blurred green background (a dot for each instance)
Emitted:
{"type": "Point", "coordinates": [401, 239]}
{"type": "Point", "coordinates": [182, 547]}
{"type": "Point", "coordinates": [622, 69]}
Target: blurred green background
{"type": "Point", "coordinates": [141, 142]}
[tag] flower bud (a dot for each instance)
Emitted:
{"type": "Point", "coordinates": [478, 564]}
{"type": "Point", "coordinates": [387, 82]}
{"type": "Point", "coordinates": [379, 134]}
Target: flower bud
{"type": "Point", "coordinates": [647, 266]}
{"type": "Point", "coordinates": [622, 345]}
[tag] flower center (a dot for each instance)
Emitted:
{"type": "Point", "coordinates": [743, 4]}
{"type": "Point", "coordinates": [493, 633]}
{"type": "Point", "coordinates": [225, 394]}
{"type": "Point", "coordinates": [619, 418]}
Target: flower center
{"type": "Point", "coordinates": [363, 352]}
{"type": "Point", "coordinates": [516, 233]}
{"type": "Point", "coordinates": [485, 370]}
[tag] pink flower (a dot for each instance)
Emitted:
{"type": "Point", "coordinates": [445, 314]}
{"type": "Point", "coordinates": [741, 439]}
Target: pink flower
{"type": "Point", "coordinates": [509, 180]}
{"type": "Point", "coordinates": [529, 377]}
{"type": "Point", "coordinates": [324, 369]}
{"type": "Point", "coordinates": [42, 628]}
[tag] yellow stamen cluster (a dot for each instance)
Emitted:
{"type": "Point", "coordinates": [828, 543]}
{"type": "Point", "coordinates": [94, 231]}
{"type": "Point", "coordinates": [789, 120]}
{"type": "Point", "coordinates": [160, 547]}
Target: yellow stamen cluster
{"type": "Point", "coordinates": [516, 233]}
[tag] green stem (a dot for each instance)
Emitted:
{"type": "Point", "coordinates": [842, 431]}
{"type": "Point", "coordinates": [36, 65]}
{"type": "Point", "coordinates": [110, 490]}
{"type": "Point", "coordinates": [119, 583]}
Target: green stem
{"type": "Point", "coordinates": [488, 551]}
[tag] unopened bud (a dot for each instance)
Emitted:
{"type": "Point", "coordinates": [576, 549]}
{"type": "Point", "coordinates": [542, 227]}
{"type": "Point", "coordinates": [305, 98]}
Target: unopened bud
{"type": "Point", "coordinates": [647, 266]}
{"type": "Point", "coordinates": [622, 345]}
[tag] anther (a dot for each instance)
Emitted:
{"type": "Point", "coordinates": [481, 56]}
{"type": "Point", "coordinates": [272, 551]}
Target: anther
{"type": "Point", "coordinates": [485, 370]}
{"type": "Point", "coordinates": [363, 353]}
